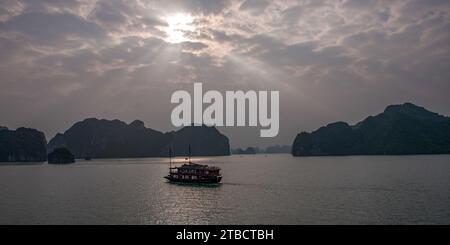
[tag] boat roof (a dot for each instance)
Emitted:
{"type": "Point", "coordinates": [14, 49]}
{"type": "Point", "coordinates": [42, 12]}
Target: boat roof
{"type": "Point", "coordinates": [198, 166]}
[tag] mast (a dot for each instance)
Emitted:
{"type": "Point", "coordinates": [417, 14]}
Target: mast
{"type": "Point", "coordinates": [189, 154]}
{"type": "Point", "coordinates": [170, 159]}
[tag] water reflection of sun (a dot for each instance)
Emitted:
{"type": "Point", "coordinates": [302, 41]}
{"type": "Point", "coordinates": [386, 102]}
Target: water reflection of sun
{"type": "Point", "coordinates": [177, 27]}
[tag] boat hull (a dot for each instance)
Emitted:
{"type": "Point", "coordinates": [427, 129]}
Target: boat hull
{"type": "Point", "coordinates": [212, 180]}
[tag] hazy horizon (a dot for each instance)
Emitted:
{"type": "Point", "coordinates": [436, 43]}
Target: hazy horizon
{"type": "Point", "coordinates": [64, 61]}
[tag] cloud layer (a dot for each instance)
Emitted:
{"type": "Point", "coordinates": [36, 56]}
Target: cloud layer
{"type": "Point", "coordinates": [62, 61]}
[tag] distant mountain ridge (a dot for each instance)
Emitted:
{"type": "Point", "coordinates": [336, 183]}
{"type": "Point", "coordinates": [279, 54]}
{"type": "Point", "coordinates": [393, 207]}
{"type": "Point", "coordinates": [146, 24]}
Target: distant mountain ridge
{"type": "Point", "coordinates": [274, 149]}
{"type": "Point", "coordinates": [277, 149]}
{"type": "Point", "coordinates": [100, 138]}
{"type": "Point", "coordinates": [400, 129]}
{"type": "Point", "coordinates": [248, 151]}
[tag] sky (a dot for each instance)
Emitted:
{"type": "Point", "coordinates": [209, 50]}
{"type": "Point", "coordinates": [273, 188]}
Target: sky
{"type": "Point", "coordinates": [65, 60]}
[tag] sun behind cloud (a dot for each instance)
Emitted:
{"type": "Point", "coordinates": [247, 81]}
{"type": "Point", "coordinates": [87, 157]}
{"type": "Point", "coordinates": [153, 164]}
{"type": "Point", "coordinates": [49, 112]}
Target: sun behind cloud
{"type": "Point", "coordinates": [178, 25]}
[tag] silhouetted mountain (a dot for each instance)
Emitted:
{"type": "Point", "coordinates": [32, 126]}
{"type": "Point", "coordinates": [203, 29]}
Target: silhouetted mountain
{"type": "Point", "coordinates": [116, 139]}
{"type": "Point", "coordinates": [400, 129]}
{"type": "Point", "coordinates": [276, 149]}
{"type": "Point", "coordinates": [61, 156]}
{"type": "Point", "coordinates": [248, 151]}
{"type": "Point", "coordinates": [109, 139]}
{"type": "Point", "coordinates": [22, 145]}
{"type": "Point", "coordinates": [204, 141]}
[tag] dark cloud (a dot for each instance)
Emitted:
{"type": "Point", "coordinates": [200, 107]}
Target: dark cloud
{"type": "Point", "coordinates": [52, 28]}
{"type": "Point", "coordinates": [254, 6]}
{"type": "Point", "coordinates": [205, 6]}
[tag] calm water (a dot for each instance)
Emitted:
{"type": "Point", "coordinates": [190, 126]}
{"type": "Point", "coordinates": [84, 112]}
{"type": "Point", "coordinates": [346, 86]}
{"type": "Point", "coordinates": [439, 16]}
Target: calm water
{"type": "Point", "coordinates": [277, 189]}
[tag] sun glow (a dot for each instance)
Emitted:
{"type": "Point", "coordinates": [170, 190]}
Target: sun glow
{"type": "Point", "coordinates": [178, 26]}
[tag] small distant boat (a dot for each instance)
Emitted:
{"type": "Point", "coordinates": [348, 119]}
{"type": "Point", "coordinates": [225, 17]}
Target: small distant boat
{"type": "Point", "coordinates": [193, 173]}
